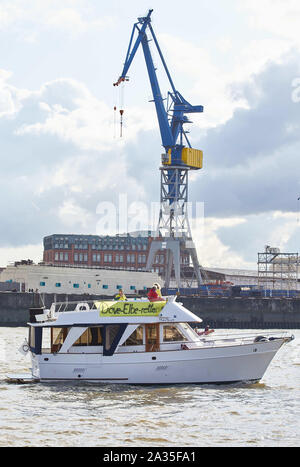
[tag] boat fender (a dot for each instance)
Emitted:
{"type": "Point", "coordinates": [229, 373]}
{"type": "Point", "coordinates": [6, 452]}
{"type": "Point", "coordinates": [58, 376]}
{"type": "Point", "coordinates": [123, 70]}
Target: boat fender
{"type": "Point", "coordinates": [260, 339]}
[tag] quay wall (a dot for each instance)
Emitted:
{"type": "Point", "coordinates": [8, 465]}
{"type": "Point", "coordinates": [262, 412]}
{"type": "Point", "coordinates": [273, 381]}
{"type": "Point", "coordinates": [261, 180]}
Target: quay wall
{"type": "Point", "coordinates": [246, 313]}
{"type": "Point", "coordinates": [226, 313]}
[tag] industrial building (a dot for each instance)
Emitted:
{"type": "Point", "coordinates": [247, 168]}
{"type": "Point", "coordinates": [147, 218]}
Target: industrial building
{"type": "Point", "coordinates": [128, 251]}
{"type": "Point", "coordinates": [76, 280]}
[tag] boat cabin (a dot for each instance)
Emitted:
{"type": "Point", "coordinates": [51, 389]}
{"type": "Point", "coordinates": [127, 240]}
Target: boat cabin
{"type": "Point", "coordinates": [92, 330]}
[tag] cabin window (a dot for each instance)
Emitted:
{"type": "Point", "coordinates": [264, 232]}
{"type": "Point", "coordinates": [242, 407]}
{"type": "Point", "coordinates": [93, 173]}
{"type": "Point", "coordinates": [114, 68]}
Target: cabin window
{"type": "Point", "coordinates": [91, 336]}
{"type": "Point", "coordinates": [136, 337]}
{"type": "Point", "coordinates": [172, 334]}
{"type": "Point", "coordinates": [152, 337]}
{"type": "Point", "coordinates": [46, 340]}
{"type": "Point", "coordinates": [58, 336]}
{"type": "Point", "coordinates": [32, 337]}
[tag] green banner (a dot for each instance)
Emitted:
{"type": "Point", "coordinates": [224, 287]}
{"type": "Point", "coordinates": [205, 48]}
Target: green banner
{"type": "Point", "coordinates": [110, 309]}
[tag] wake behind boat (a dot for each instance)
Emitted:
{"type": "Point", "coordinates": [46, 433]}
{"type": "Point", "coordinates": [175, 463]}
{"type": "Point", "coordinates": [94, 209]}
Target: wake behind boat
{"type": "Point", "coordinates": [141, 342]}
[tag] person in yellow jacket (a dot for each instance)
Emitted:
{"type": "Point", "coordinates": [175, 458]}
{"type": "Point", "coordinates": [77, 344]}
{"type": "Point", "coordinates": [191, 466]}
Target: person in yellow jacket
{"type": "Point", "coordinates": [120, 296]}
{"type": "Point", "coordinates": [158, 290]}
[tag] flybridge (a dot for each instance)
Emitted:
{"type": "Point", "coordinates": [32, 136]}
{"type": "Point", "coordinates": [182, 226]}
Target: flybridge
{"type": "Point", "coordinates": [135, 311]}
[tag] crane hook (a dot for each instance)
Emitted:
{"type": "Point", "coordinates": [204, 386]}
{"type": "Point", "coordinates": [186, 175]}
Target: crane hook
{"type": "Point", "coordinates": [121, 123]}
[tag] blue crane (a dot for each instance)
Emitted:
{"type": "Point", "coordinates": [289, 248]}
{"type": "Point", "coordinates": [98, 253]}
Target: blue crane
{"type": "Point", "coordinates": [171, 118]}
{"type": "Point", "coordinates": [178, 159]}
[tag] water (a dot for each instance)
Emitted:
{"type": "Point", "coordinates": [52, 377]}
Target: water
{"type": "Point", "coordinates": [85, 414]}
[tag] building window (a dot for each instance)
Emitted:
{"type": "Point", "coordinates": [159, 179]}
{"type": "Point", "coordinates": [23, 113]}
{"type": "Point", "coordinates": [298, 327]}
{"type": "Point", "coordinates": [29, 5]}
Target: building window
{"type": "Point", "coordinates": [58, 284]}
{"type": "Point", "coordinates": [42, 284]}
{"type": "Point", "coordinates": [96, 258]}
{"type": "Point", "coordinates": [132, 287]}
{"type": "Point", "coordinates": [66, 256]}
{"type": "Point", "coordinates": [118, 287]}
{"type": "Point", "coordinates": [104, 286]}
{"type": "Point", "coordinates": [76, 286]}
{"type": "Point", "coordinates": [56, 256]}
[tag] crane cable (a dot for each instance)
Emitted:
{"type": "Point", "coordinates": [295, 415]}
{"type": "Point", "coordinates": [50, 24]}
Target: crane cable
{"type": "Point", "coordinates": [115, 111]}
{"type": "Point", "coordinates": [121, 105]}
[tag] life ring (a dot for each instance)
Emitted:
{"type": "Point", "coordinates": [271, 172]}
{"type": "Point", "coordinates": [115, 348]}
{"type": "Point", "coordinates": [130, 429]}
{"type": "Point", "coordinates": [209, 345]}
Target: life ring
{"type": "Point", "coordinates": [25, 348]}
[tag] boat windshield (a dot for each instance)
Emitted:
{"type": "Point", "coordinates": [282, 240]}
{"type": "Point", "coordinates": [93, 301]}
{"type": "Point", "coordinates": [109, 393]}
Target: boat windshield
{"type": "Point", "coordinates": [172, 333]}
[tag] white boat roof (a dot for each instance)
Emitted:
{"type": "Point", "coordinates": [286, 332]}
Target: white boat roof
{"type": "Point", "coordinates": [115, 312]}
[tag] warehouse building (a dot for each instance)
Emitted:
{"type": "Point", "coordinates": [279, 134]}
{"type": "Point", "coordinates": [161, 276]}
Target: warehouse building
{"type": "Point", "coordinates": [76, 279]}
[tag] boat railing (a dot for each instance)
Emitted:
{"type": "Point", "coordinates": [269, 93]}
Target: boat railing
{"type": "Point", "coordinates": [84, 305]}
{"type": "Point", "coordinates": [242, 337]}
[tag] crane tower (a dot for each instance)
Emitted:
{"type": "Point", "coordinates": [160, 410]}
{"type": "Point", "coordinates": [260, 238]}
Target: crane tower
{"type": "Point", "coordinates": [173, 230]}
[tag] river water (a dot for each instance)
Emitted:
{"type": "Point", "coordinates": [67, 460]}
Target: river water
{"type": "Point", "coordinates": [86, 414]}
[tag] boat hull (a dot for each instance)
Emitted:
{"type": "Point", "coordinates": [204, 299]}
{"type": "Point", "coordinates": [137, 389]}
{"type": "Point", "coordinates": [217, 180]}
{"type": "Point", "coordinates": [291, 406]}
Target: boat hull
{"type": "Point", "coordinates": [213, 365]}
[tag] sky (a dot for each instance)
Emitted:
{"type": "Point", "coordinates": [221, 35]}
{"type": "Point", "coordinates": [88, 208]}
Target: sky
{"type": "Point", "coordinates": [64, 167]}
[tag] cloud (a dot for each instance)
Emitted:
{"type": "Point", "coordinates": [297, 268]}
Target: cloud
{"type": "Point", "coordinates": [9, 255]}
{"type": "Point", "coordinates": [275, 16]}
{"type": "Point", "coordinates": [59, 159]}
{"type": "Point", "coordinates": [247, 238]}
{"type": "Point", "coordinates": [72, 17]}
{"type": "Point", "coordinates": [252, 161]}
{"type": "Point", "coordinates": [61, 156]}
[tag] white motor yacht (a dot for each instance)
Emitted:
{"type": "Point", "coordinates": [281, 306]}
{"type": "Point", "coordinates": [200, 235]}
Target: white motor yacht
{"type": "Point", "coordinates": [141, 342]}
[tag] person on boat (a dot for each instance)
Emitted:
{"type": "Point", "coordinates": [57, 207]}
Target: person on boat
{"type": "Point", "coordinates": [153, 295]}
{"type": "Point", "coordinates": [158, 289]}
{"type": "Point", "coordinates": [120, 296]}
{"type": "Point", "coordinates": [206, 331]}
